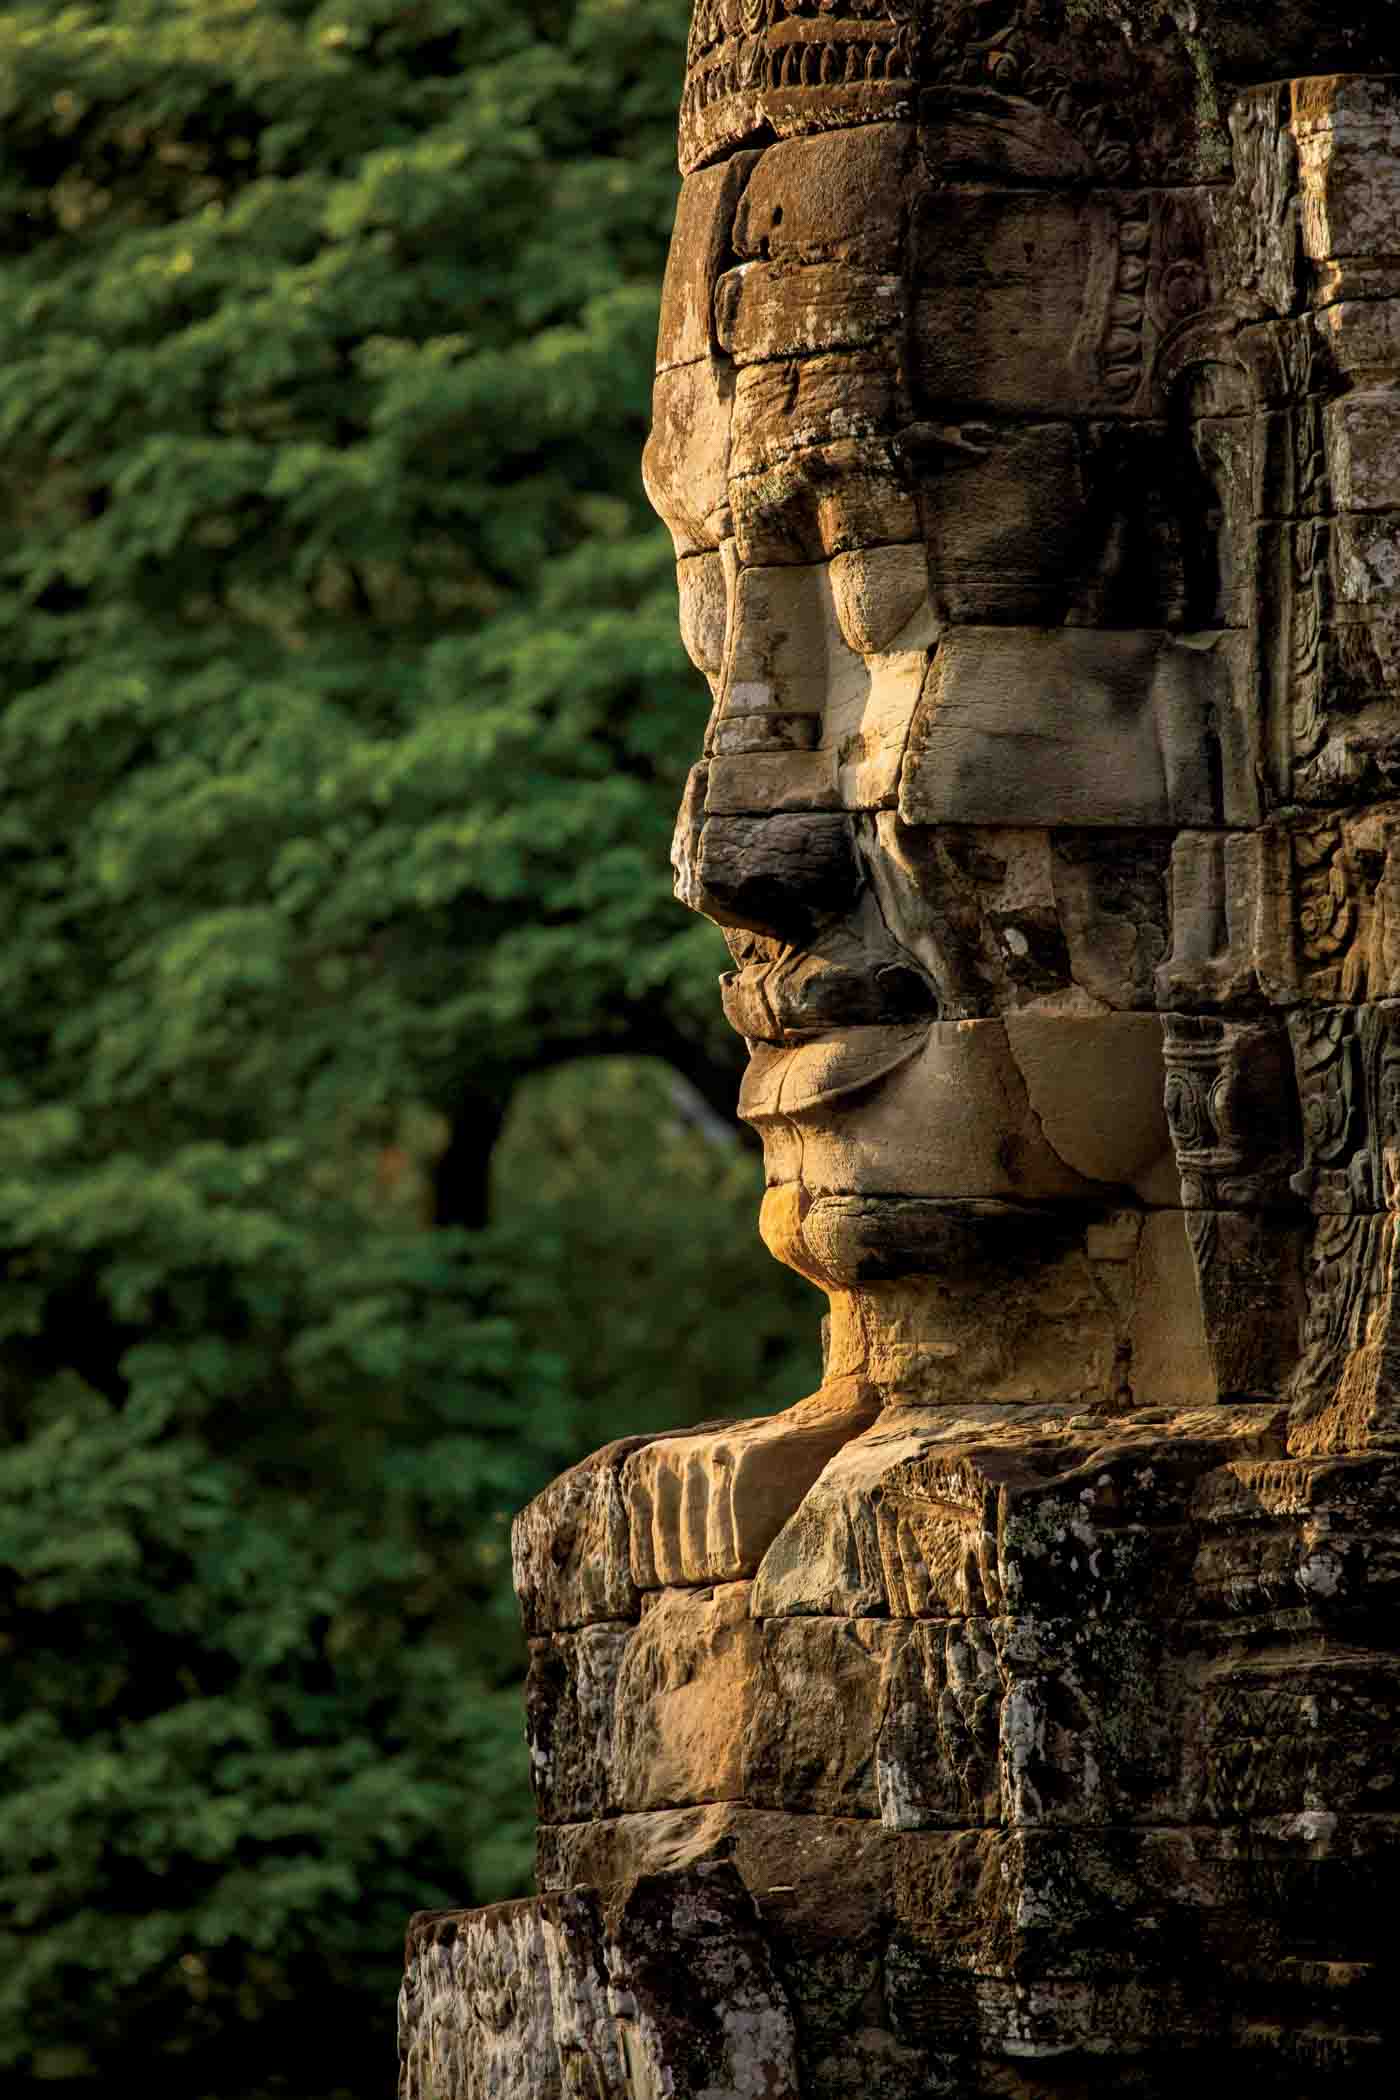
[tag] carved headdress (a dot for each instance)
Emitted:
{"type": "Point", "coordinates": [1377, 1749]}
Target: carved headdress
{"type": "Point", "coordinates": [760, 69]}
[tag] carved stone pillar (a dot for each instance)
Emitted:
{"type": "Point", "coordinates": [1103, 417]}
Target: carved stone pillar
{"type": "Point", "coordinates": [1016, 1715]}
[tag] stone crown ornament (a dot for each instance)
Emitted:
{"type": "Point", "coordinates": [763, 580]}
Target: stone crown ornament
{"type": "Point", "coordinates": [791, 66]}
{"type": "Point", "coordinates": [756, 62]}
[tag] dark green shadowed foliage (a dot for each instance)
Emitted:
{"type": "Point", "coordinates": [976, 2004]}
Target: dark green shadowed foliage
{"type": "Point", "coordinates": [342, 720]}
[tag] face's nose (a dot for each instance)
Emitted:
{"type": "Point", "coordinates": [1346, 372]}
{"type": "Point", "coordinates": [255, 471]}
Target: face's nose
{"type": "Point", "coordinates": [815, 668]}
{"type": "Point", "coordinates": [761, 842]}
{"type": "Point", "coordinates": [776, 873]}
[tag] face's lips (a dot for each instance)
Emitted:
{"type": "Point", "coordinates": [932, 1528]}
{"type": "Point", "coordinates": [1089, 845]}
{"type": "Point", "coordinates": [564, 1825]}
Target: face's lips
{"type": "Point", "coordinates": [796, 1079]}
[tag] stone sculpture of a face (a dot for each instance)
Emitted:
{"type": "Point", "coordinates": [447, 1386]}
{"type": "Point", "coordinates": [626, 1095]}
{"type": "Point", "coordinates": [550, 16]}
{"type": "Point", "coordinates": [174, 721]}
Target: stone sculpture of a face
{"type": "Point", "coordinates": [1015, 1715]}
{"type": "Point", "coordinates": [989, 434]}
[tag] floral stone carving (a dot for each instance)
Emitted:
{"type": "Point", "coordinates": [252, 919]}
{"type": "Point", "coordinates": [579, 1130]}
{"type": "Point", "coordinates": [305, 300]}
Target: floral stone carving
{"type": "Point", "coordinates": [1014, 1716]}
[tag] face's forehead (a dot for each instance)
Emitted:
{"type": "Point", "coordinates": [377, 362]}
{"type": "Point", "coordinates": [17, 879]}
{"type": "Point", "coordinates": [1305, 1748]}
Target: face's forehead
{"type": "Point", "coordinates": [838, 307]}
{"type": "Point", "coordinates": [783, 300]}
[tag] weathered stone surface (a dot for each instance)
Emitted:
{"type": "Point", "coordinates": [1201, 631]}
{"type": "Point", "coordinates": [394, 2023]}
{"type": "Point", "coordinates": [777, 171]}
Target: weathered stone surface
{"type": "Point", "coordinates": [841, 197]}
{"type": "Point", "coordinates": [879, 593]}
{"type": "Point", "coordinates": [768, 310]}
{"type": "Point", "coordinates": [776, 874]}
{"type": "Point", "coordinates": [476, 2013]}
{"type": "Point", "coordinates": [692, 411]}
{"type": "Point", "coordinates": [1348, 133]}
{"type": "Point", "coordinates": [910, 1519]}
{"type": "Point", "coordinates": [1017, 314]}
{"type": "Point", "coordinates": [699, 249]}
{"type": "Point", "coordinates": [1011, 513]}
{"type": "Point", "coordinates": [702, 590]}
{"type": "Point", "coordinates": [1121, 726]}
{"type": "Point", "coordinates": [672, 1991]}
{"type": "Point", "coordinates": [756, 783]}
{"type": "Point", "coordinates": [843, 494]}
{"type": "Point", "coordinates": [793, 405]}
{"type": "Point", "coordinates": [985, 1111]}
{"type": "Point", "coordinates": [683, 1698]}
{"type": "Point", "coordinates": [700, 2005]}
{"type": "Point", "coordinates": [1013, 1718]}
{"type": "Point", "coordinates": [570, 1710]}
{"type": "Point", "coordinates": [704, 1508]}
{"type": "Point", "coordinates": [569, 1552]}
{"type": "Point", "coordinates": [1048, 1682]}
{"type": "Point", "coordinates": [962, 1962]}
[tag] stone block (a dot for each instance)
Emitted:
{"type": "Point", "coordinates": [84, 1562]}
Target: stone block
{"type": "Point", "coordinates": [792, 310]}
{"type": "Point", "coordinates": [952, 1120]}
{"type": "Point", "coordinates": [702, 593]}
{"type": "Point", "coordinates": [1095, 1086]}
{"type": "Point", "coordinates": [828, 74]}
{"type": "Point", "coordinates": [700, 246]}
{"type": "Point", "coordinates": [845, 494]}
{"type": "Point", "coordinates": [878, 592]}
{"type": "Point", "coordinates": [1003, 918]}
{"type": "Point", "coordinates": [1363, 450]}
{"type": "Point", "coordinates": [570, 1709]}
{"type": "Point", "coordinates": [1060, 1907]}
{"type": "Point", "coordinates": [815, 1728]}
{"type": "Point", "coordinates": [985, 1110]}
{"type": "Point", "coordinates": [1018, 315]}
{"type": "Point", "coordinates": [938, 1755]}
{"type": "Point", "coordinates": [1120, 726]}
{"type": "Point", "coordinates": [685, 464]}
{"type": "Point", "coordinates": [1301, 1537]}
{"type": "Point", "coordinates": [1362, 335]}
{"type": "Point", "coordinates": [704, 1509]}
{"type": "Point", "coordinates": [1366, 557]}
{"type": "Point", "coordinates": [840, 197]}
{"type": "Point", "coordinates": [967, 1302]}
{"type": "Point", "coordinates": [767, 732]}
{"type": "Point", "coordinates": [785, 647]}
{"type": "Point", "coordinates": [793, 405]}
{"type": "Point", "coordinates": [1003, 514]}
{"type": "Point", "coordinates": [770, 782]}
{"type": "Point", "coordinates": [699, 2005]}
{"type": "Point", "coordinates": [477, 2011]}
{"type": "Point", "coordinates": [1348, 132]}
{"type": "Point", "coordinates": [1281, 1735]}
{"type": "Point", "coordinates": [673, 1991]}
{"type": "Point", "coordinates": [984, 1511]}
{"type": "Point", "coordinates": [774, 874]}
{"type": "Point", "coordinates": [683, 1695]}
{"type": "Point", "coordinates": [1110, 901]}
{"type": "Point", "coordinates": [569, 1549]}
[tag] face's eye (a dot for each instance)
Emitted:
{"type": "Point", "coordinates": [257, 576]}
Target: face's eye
{"type": "Point", "coordinates": [700, 581]}
{"type": "Point", "coordinates": [878, 591]}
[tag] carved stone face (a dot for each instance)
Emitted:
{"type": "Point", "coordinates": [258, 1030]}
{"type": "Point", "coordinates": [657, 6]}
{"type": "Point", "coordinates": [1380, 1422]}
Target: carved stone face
{"type": "Point", "coordinates": [1037, 510]}
{"type": "Point", "coordinates": [927, 560]}
{"type": "Point", "coordinates": [998, 460]}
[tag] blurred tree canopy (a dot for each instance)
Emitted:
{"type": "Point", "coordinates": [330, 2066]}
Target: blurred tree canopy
{"type": "Point", "coordinates": [341, 729]}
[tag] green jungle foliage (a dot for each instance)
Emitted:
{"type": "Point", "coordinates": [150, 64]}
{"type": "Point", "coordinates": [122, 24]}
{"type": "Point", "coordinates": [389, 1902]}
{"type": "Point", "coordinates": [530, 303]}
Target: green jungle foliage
{"type": "Point", "coordinates": [342, 724]}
